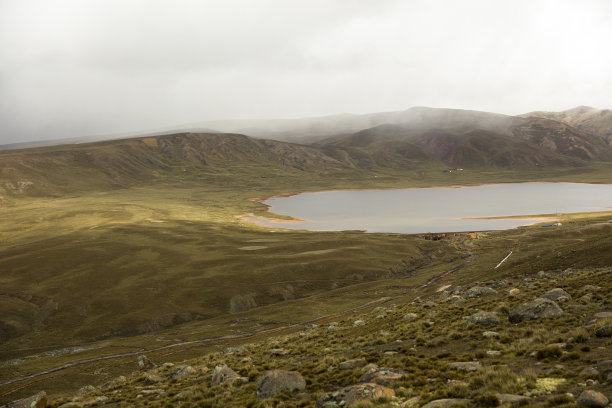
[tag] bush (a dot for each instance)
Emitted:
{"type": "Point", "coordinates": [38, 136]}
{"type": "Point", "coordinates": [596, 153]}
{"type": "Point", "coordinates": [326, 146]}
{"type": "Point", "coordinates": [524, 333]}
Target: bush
{"type": "Point", "coordinates": [549, 352]}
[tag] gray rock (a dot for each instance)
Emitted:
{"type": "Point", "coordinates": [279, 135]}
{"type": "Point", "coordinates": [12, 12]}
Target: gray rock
{"type": "Point", "coordinates": [182, 371]}
{"type": "Point", "coordinates": [446, 402]}
{"type": "Point", "coordinates": [86, 390]}
{"type": "Point", "coordinates": [478, 291]}
{"type": "Point", "coordinates": [483, 319]}
{"type": "Point", "coordinates": [558, 295]}
{"type": "Point", "coordinates": [222, 374]}
{"type": "Point", "coordinates": [604, 331]}
{"type": "Point", "coordinates": [592, 399]}
{"type": "Point", "coordinates": [536, 309]}
{"type": "Point", "coordinates": [490, 334]}
{"type": "Point", "coordinates": [358, 323]}
{"type": "Point", "coordinates": [511, 399]}
{"type": "Point", "coordinates": [602, 315]}
{"type": "Point", "coordinates": [514, 292]}
{"type": "Point", "coordinates": [410, 317]}
{"type": "Point", "coordinates": [151, 379]}
{"type": "Point", "coordinates": [493, 353]}
{"type": "Point", "coordinates": [275, 381]}
{"type": "Point", "coordinates": [144, 363]}
{"type": "Point", "coordinates": [35, 401]}
{"type": "Point", "coordinates": [349, 395]}
{"type": "Point", "coordinates": [591, 288]}
{"type": "Point", "coordinates": [466, 366]}
{"type": "Point", "coordinates": [590, 372]}
{"type": "Point", "coordinates": [279, 352]}
{"type": "Point", "coordinates": [383, 376]}
{"type": "Point", "coordinates": [350, 364]}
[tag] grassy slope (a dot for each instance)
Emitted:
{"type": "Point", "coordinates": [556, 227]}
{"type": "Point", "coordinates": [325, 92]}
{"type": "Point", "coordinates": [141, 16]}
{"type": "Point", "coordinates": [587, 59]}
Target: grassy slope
{"type": "Point", "coordinates": [166, 257]}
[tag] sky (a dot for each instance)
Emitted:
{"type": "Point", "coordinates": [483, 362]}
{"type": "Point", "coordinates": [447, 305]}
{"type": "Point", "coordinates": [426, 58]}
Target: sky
{"type": "Point", "coordinates": [74, 68]}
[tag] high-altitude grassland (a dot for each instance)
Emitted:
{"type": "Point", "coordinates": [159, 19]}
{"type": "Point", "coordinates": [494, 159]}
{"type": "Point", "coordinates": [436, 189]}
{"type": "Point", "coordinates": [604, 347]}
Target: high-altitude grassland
{"type": "Point", "coordinates": [136, 247]}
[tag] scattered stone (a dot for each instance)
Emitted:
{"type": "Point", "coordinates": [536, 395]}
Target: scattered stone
{"type": "Point", "coordinates": [457, 291]}
{"type": "Point", "coordinates": [378, 309]}
{"type": "Point", "coordinates": [446, 402]}
{"type": "Point", "coordinates": [536, 309]}
{"type": "Point", "coordinates": [222, 374]}
{"type": "Point", "coordinates": [466, 366]}
{"type": "Point", "coordinates": [275, 381]}
{"type": "Point", "coordinates": [358, 323]}
{"type": "Point", "coordinates": [493, 353]}
{"type": "Point", "coordinates": [144, 363]}
{"type": "Point", "coordinates": [590, 372]}
{"type": "Point", "coordinates": [591, 288]}
{"type": "Point", "coordinates": [483, 319]}
{"type": "Point", "coordinates": [234, 350]}
{"type": "Point", "coordinates": [182, 371]}
{"type": "Point", "coordinates": [354, 393]}
{"type": "Point", "coordinates": [35, 401]}
{"type": "Point", "coordinates": [604, 331]}
{"type": "Point", "coordinates": [410, 402]}
{"type": "Point", "coordinates": [455, 299]}
{"type": "Point", "coordinates": [511, 399]}
{"type": "Point", "coordinates": [456, 383]}
{"type": "Point", "coordinates": [490, 334]}
{"type": "Point", "coordinates": [279, 352]}
{"type": "Point", "coordinates": [558, 295]}
{"type": "Point", "coordinates": [383, 376]}
{"type": "Point", "coordinates": [514, 292]}
{"type": "Point", "coordinates": [478, 291]}
{"type": "Point", "coordinates": [86, 390]}
{"type": "Point", "coordinates": [114, 382]}
{"type": "Point", "coordinates": [602, 315]}
{"type": "Point", "coordinates": [370, 367]}
{"type": "Point", "coordinates": [152, 379]}
{"type": "Point", "coordinates": [350, 364]}
{"type": "Point", "coordinates": [592, 399]}
{"type": "Point", "coordinates": [541, 275]}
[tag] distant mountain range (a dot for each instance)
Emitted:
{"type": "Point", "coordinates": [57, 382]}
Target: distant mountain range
{"type": "Point", "coordinates": [403, 141]}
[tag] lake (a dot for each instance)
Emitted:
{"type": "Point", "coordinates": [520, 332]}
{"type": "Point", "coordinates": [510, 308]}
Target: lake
{"type": "Point", "coordinates": [436, 209]}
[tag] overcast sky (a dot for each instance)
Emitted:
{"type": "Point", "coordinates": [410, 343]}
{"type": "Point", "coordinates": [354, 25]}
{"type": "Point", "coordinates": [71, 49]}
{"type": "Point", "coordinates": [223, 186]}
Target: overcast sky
{"type": "Point", "coordinates": [85, 67]}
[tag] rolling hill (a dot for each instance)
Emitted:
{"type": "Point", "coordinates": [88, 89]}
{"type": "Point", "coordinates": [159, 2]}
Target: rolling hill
{"type": "Point", "coordinates": [591, 120]}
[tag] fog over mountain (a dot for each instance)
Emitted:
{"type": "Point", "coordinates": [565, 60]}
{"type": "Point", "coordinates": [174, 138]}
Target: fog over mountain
{"type": "Point", "coordinates": [70, 69]}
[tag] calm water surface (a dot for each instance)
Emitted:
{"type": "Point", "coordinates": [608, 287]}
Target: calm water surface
{"type": "Point", "coordinates": [439, 209]}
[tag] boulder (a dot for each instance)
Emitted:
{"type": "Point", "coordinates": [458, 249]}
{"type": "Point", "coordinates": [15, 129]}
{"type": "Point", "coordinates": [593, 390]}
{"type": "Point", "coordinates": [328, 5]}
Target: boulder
{"type": "Point", "coordinates": [279, 352]}
{"type": "Point", "coordinates": [589, 372]}
{"type": "Point", "coordinates": [446, 402]}
{"type": "Point", "coordinates": [592, 399]}
{"type": "Point", "coordinates": [151, 379]}
{"type": "Point", "coordinates": [604, 331]}
{"type": "Point", "coordinates": [182, 371]}
{"type": "Point", "coordinates": [478, 291]}
{"type": "Point", "coordinates": [383, 376]}
{"type": "Point", "coordinates": [355, 393]}
{"type": "Point", "coordinates": [536, 309]}
{"type": "Point", "coordinates": [222, 374]}
{"type": "Point", "coordinates": [144, 363]}
{"type": "Point", "coordinates": [514, 292]}
{"type": "Point", "coordinates": [358, 323]}
{"type": "Point", "coordinates": [511, 399]}
{"type": "Point", "coordinates": [350, 364]}
{"type": "Point", "coordinates": [558, 295]}
{"type": "Point", "coordinates": [466, 366]}
{"type": "Point", "coordinates": [275, 381]}
{"type": "Point", "coordinates": [483, 319]}
{"type": "Point", "coordinates": [35, 401]}
{"type": "Point", "coordinates": [410, 317]}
